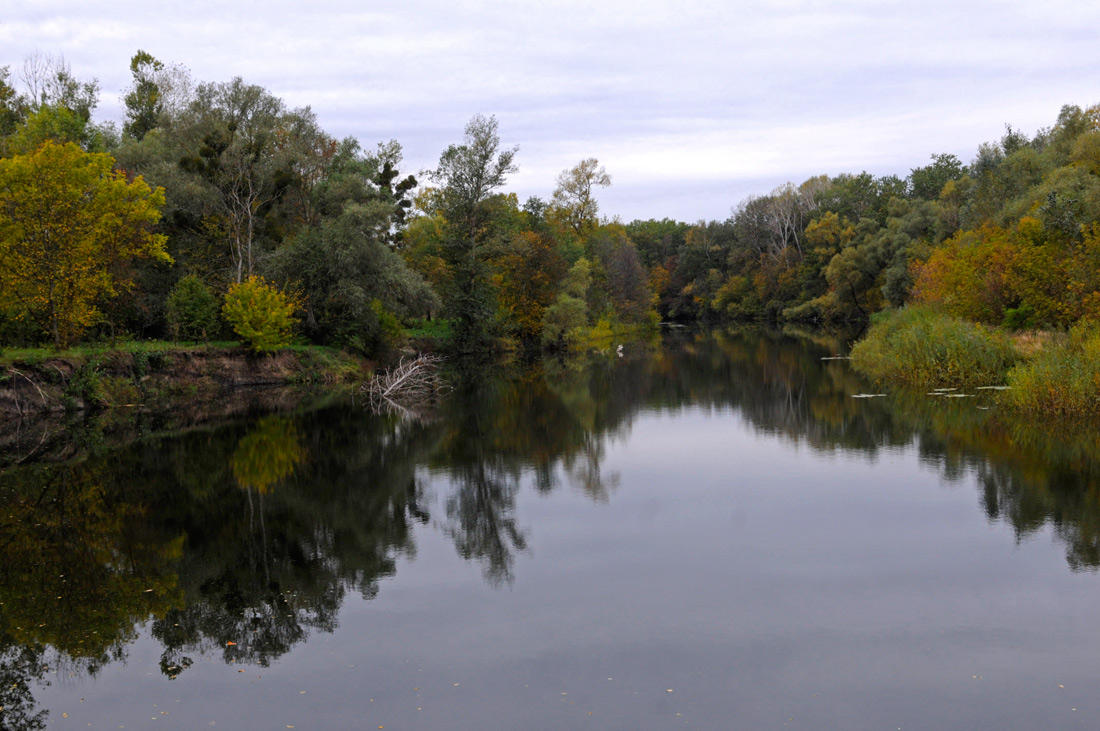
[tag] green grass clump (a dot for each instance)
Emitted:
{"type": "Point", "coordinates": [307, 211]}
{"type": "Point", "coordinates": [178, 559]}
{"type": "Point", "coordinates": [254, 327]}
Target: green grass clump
{"type": "Point", "coordinates": [1063, 379]}
{"type": "Point", "coordinates": [924, 347]}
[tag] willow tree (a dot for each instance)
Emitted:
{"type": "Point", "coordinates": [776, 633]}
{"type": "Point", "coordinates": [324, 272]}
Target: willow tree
{"type": "Point", "coordinates": [467, 175]}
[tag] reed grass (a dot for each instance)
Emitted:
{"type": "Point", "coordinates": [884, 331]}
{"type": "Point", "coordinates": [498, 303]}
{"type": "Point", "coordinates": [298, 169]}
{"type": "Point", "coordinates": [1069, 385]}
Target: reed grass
{"type": "Point", "coordinates": [1063, 378]}
{"type": "Point", "coordinates": [921, 346]}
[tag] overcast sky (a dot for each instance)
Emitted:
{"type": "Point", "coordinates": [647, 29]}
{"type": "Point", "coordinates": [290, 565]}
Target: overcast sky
{"type": "Point", "coordinates": [690, 105]}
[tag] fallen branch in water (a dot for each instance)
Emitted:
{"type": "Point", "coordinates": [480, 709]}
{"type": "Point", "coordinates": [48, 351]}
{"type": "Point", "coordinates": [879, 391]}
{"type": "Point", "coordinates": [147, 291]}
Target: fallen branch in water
{"type": "Point", "coordinates": [408, 384]}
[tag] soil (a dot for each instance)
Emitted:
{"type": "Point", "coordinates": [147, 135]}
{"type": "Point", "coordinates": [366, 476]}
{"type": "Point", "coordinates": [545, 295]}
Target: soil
{"type": "Point", "coordinates": [157, 381]}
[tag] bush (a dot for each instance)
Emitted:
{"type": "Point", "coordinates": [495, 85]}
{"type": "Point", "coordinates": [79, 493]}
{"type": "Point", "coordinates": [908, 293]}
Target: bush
{"type": "Point", "coordinates": [563, 320]}
{"type": "Point", "coordinates": [928, 348]}
{"type": "Point", "coordinates": [192, 310]}
{"type": "Point", "coordinates": [1063, 379]}
{"type": "Point", "coordinates": [390, 332]}
{"type": "Point", "coordinates": [260, 314]}
{"type": "Point", "coordinates": [1019, 318]}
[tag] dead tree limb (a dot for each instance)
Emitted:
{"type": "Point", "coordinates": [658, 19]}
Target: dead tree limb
{"type": "Point", "coordinates": [409, 384]}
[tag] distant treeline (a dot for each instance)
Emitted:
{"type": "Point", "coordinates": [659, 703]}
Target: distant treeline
{"type": "Point", "coordinates": [217, 207]}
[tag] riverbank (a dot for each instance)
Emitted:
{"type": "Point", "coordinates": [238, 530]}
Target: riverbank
{"type": "Point", "coordinates": [157, 376]}
{"type": "Point", "coordinates": [1039, 373]}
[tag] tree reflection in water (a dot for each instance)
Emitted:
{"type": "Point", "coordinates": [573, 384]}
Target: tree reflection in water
{"type": "Point", "coordinates": [243, 539]}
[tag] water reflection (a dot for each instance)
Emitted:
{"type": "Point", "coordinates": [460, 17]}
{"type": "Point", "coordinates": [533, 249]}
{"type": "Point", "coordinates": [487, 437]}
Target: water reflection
{"type": "Point", "coordinates": [240, 541]}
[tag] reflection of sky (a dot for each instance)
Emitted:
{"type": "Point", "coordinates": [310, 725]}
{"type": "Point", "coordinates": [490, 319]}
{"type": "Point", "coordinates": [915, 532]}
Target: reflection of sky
{"type": "Point", "coordinates": [691, 105]}
{"type": "Point", "coordinates": [763, 583]}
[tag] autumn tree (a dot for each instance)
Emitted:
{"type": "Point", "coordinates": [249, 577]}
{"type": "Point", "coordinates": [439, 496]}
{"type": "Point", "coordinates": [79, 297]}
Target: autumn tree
{"type": "Point", "coordinates": [260, 313]}
{"type": "Point", "coordinates": [528, 274]}
{"type": "Point", "coordinates": [68, 224]}
{"type": "Point", "coordinates": [573, 202]}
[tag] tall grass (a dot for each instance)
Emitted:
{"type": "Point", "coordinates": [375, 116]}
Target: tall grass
{"type": "Point", "coordinates": [1063, 379]}
{"type": "Point", "coordinates": [921, 346]}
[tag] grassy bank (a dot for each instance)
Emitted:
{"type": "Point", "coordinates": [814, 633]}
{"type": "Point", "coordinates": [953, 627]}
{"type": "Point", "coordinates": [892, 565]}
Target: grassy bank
{"type": "Point", "coordinates": [1054, 376]}
{"type": "Point", "coordinates": [158, 375]}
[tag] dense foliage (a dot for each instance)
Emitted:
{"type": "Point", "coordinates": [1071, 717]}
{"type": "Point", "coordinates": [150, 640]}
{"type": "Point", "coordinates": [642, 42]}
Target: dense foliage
{"type": "Point", "coordinates": [254, 188]}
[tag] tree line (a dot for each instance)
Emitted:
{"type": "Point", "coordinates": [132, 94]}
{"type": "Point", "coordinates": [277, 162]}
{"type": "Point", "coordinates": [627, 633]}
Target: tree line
{"type": "Point", "coordinates": [216, 206]}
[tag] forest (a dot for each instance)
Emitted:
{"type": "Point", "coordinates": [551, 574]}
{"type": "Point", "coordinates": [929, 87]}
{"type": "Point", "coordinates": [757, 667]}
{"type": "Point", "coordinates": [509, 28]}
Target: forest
{"type": "Point", "coordinates": [217, 211]}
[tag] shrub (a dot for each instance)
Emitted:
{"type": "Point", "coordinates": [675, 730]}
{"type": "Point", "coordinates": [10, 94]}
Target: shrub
{"type": "Point", "coordinates": [1063, 379]}
{"type": "Point", "coordinates": [390, 332]}
{"type": "Point", "coordinates": [1019, 318]}
{"type": "Point", "coordinates": [192, 310]}
{"type": "Point", "coordinates": [563, 320]}
{"type": "Point", "coordinates": [925, 347]}
{"type": "Point", "coordinates": [260, 314]}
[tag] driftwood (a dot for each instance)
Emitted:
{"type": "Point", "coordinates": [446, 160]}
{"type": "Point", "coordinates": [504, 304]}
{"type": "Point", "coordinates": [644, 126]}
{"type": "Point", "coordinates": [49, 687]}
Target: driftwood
{"type": "Point", "coordinates": [408, 385]}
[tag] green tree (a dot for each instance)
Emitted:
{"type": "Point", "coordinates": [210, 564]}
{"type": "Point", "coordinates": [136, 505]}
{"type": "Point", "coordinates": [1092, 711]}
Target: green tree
{"type": "Point", "coordinates": [467, 175]}
{"type": "Point", "coordinates": [68, 227]}
{"type": "Point", "coordinates": [143, 102]}
{"type": "Point", "coordinates": [192, 309]}
{"type": "Point", "coordinates": [470, 172]}
{"type": "Point", "coordinates": [13, 108]}
{"type": "Point", "coordinates": [344, 265]}
{"type": "Point", "coordinates": [927, 182]}
{"type": "Point", "coordinates": [57, 106]}
{"type": "Point", "coordinates": [565, 318]}
{"type": "Point", "coordinates": [234, 139]}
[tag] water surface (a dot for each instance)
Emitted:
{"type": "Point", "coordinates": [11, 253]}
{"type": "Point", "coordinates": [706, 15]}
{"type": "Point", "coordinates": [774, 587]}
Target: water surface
{"type": "Point", "coordinates": [709, 533]}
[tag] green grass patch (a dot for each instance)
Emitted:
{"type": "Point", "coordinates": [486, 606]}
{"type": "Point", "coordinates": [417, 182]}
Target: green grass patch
{"type": "Point", "coordinates": [920, 346]}
{"type": "Point", "coordinates": [1063, 379]}
{"type": "Point", "coordinates": [84, 353]}
{"type": "Point", "coordinates": [321, 364]}
{"type": "Point", "coordinates": [437, 329]}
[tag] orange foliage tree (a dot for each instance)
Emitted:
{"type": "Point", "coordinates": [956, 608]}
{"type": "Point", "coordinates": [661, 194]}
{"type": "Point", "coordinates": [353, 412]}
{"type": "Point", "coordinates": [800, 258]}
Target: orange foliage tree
{"type": "Point", "coordinates": [969, 274]}
{"type": "Point", "coordinates": [527, 277]}
{"type": "Point", "coordinates": [982, 274]}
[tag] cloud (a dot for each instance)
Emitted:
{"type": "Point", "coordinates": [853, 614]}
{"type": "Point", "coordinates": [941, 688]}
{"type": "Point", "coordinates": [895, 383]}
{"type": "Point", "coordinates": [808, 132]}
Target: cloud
{"type": "Point", "coordinates": [706, 96]}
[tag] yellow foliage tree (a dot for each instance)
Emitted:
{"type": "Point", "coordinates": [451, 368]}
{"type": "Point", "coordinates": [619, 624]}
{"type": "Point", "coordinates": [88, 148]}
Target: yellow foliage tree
{"type": "Point", "coordinates": [68, 224]}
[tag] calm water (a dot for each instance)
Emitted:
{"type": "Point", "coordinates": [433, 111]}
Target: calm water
{"type": "Point", "coordinates": [712, 533]}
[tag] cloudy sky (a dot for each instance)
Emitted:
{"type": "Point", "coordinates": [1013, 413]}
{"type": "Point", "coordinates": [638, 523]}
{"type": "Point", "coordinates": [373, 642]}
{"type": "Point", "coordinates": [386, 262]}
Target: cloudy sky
{"type": "Point", "coordinates": [691, 105]}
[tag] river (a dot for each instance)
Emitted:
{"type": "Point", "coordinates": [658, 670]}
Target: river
{"type": "Point", "coordinates": [717, 530]}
